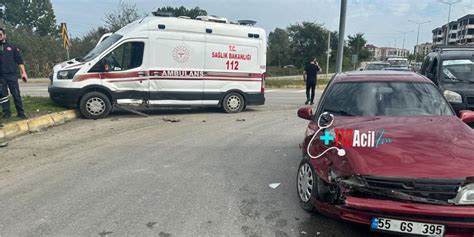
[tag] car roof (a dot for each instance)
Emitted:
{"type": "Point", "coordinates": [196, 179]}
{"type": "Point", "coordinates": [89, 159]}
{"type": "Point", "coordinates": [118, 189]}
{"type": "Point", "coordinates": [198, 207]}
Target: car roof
{"type": "Point", "coordinates": [377, 62]}
{"type": "Point", "coordinates": [453, 53]}
{"type": "Point", "coordinates": [379, 75]}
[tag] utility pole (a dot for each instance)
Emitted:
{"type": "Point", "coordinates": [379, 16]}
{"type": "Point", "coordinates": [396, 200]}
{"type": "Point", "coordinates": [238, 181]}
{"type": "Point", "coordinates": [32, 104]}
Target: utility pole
{"type": "Point", "coordinates": [328, 54]}
{"type": "Point", "coordinates": [342, 28]}
{"type": "Point", "coordinates": [418, 34]}
{"type": "Point", "coordinates": [450, 3]}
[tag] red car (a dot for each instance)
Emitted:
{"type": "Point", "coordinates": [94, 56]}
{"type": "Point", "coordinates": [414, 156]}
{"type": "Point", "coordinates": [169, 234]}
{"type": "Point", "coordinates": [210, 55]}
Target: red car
{"type": "Point", "coordinates": [386, 149]}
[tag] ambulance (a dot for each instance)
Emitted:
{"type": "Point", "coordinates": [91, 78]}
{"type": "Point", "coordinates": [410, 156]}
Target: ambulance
{"type": "Point", "coordinates": [167, 61]}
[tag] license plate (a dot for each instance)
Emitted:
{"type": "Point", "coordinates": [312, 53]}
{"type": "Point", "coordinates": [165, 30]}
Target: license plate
{"type": "Point", "coordinates": [409, 227]}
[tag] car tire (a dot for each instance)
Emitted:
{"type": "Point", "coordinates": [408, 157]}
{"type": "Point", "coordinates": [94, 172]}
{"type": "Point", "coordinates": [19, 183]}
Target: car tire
{"type": "Point", "coordinates": [95, 105]}
{"type": "Point", "coordinates": [233, 103]}
{"type": "Point", "coordinates": [306, 185]}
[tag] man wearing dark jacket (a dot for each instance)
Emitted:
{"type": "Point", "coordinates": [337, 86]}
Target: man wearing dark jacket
{"type": "Point", "coordinates": [310, 73]}
{"type": "Point", "coordinates": [10, 60]}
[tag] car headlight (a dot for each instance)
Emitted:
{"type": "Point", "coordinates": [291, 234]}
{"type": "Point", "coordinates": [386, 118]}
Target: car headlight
{"type": "Point", "coordinates": [465, 196]}
{"type": "Point", "coordinates": [66, 74]}
{"type": "Point", "coordinates": [452, 96]}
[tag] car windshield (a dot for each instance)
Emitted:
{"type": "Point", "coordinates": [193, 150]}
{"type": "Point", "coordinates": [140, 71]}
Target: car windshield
{"type": "Point", "coordinates": [458, 70]}
{"type": "Point", "coordinates": [385, 99]}
{"type": "Point", "coordinates": [376, 66]}
{"type": "Point", "coordinates": [102, 47]}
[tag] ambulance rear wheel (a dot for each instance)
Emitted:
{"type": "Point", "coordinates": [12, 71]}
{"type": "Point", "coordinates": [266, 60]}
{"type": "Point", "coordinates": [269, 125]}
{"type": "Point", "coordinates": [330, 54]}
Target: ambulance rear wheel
{"type": "Point", "coordinates": [233, 103]}
{"type": "Point", "coordinates": [95, 105]}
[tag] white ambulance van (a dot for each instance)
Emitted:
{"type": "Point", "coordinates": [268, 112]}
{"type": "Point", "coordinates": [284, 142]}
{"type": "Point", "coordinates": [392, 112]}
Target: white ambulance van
{"type": "Point", "coordinates": [167, 61]}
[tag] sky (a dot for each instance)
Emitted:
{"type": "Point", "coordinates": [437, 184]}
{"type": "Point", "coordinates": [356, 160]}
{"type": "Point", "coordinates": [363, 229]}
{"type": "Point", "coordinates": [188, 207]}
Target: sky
{"type": "Point", "coordinates": [381, 21]}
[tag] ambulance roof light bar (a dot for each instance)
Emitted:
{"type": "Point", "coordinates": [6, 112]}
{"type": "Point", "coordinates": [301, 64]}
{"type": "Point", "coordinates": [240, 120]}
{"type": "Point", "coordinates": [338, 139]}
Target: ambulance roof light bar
{"type": "Point", "coordinates": [247, 22]}
{"type": "Point", "coordinates": [213, 19]}
{"type": "Point", "coordinates": [163, 14]}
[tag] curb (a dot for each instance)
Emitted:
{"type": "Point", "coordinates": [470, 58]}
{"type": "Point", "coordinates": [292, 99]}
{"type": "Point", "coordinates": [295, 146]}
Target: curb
{"type": "Point", "coordinates": [19, 128]}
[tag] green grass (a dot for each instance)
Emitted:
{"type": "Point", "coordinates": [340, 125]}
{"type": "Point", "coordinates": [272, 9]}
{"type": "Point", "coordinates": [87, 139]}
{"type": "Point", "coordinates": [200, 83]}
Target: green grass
{"type": "Point", "coordinates": [286, 83]}
{"type": "Point", "coordinates": [34, 107]}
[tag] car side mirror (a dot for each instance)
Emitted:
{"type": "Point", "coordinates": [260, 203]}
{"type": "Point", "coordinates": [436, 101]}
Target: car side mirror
{"type": "Point", "coordinates": [466, 116]}
{"type": "Point", "coordinates": [305, 113]}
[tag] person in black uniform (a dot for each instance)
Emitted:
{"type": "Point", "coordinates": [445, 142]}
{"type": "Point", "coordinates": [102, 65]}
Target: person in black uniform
{"type": "Point", "coordinates": [10, 60]}
{"type": "Point", "coordinates": [310, 75]}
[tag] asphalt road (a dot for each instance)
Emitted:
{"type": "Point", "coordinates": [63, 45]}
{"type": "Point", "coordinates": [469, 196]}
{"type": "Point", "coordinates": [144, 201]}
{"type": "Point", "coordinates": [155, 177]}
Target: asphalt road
{"type": "Point", "coordinates": [205, 174]}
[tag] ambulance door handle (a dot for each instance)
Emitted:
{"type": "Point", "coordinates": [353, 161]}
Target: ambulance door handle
{"type": "Point", "coordinates": [141, 74]}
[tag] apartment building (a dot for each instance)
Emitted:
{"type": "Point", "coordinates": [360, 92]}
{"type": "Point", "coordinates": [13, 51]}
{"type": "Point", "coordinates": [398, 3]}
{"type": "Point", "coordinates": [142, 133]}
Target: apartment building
{"type": "Point", "coordinates": [423, 49]}
{"type": "Point", "coordinates": [459, 32]}
{"type": "Point", "coordinates": [382, 53]}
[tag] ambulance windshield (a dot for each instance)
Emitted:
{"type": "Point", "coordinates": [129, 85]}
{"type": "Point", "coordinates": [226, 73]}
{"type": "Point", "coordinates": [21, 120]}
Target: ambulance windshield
{"type": "Point", "coordinates": [102, 47]}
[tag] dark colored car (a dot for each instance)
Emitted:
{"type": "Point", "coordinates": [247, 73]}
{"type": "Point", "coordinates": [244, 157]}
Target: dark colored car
{"type": "Point", "coordinates": [452, 69]}
{"type": "Point", "coordinates": [411, 170]}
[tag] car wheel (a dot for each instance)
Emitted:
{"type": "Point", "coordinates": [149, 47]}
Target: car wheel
{"type": "Point", "coordinates": [306, 185]}
{"type": "Point", "coordinates": [233, 103]}
{"type": "Point", "coordinates": [95, 105]}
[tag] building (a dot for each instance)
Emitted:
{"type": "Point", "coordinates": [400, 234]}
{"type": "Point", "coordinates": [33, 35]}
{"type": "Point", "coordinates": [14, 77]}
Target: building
{"type": "Point", "coordinates": [465, 29]}
{"type": "Point", "coordinates": [423, 49]}
{"type": "Point", "coordinates": [459, 32]}
{"type": "Point", "coordinates": [382, 53]}
{"type": "Point", "coordinates": [438, 36]}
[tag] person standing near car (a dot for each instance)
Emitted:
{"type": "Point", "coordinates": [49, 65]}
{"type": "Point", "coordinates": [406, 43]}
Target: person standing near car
{"type": "Point", "coordinates": [10, 61]}
{"type": "Point", "coordinates": [310, 77]}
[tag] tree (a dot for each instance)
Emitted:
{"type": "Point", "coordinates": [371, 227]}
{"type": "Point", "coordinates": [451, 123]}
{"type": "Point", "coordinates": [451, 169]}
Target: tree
{"type": "Point", "coordinates": [117, 19]}
{"type": "Point", "coordinates": [309, 40]}
{"type": "Point", "coordinates": [356, 45]}
{"type": "Point", "coordinates": [278, 48]}
{"type": "Point", "coordinates": [182, 11]}
{"type": "Point", "coordinates": [81, 46]}
{"type": "Point", "coordinates": [36, 15]}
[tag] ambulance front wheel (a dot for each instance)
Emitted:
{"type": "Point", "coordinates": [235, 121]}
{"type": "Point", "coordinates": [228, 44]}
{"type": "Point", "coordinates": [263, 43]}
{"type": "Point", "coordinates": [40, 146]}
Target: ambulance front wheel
{"type": "Point", "coordinates": [233, 103]}
{"type": "Point", "coordinates": [95, 105]}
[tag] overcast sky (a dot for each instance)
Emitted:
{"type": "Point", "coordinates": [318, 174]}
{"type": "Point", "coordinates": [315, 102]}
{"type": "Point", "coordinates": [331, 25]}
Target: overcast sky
{"type": "Point", "coordinates": [380, 20]}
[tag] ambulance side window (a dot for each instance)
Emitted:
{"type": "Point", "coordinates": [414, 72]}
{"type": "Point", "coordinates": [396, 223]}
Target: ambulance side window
{"type": "Point", "coordinates": [127, 56]}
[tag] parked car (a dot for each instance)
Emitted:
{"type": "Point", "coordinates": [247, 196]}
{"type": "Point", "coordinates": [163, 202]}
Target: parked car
{"type": "Point", "coordinates": [411, 169]}
{"type": "Point", "coordinates": [403, 69]}
{"type": "Point", "coordinates": [451, 68]}
{"type": "Point", "coordinates": [375, 66]}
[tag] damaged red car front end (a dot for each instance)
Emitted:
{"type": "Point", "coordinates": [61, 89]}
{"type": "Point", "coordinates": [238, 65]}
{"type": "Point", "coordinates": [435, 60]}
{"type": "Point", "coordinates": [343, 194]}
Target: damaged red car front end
{"type": "Point", "coordinates": [415, 171]}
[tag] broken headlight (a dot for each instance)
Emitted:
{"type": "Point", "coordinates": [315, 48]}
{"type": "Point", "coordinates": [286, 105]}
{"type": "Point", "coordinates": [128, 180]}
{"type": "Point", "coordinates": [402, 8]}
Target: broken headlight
{"type": "Point", "coordinates": [465, 196]}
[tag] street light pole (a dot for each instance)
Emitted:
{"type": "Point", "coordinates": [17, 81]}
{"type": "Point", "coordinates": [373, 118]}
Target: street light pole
{"type": "Point", "coordinates": [418, 34]}
{"type": "Point", "coordinates": [450, 3]}
{"type": "Point", "coordinates": [328, 54]}
{"type": "Point", "coordinates": [342, 28]}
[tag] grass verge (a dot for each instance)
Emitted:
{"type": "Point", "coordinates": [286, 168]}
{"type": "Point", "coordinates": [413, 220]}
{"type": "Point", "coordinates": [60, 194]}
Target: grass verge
{"type": "Point", "coordinates": [34, 107]}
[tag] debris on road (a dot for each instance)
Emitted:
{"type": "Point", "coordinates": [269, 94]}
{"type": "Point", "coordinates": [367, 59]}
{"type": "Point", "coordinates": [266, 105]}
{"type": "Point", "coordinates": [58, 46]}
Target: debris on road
{"type": "Point", "coordinates": [150, 224]}
{"type": "Point", "coordinates": [3, 144]}
{"type": "Point", "coordinates": [274, 185]}
{"type": "Point", "coordinates": [171, 120]}
{"type": "Point", "coordinates": [240, 120]}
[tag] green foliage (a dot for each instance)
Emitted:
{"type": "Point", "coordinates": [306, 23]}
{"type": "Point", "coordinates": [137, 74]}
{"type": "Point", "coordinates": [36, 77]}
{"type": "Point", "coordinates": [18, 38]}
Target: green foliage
{"type": "Point", "coordinates": [182, 11]}
{"type": "Point", "coordinates": [278, 48]}
{"type": "Point", "coordinates": [117, 19]}
{"type": "Point", "coordinates": [38, 15]}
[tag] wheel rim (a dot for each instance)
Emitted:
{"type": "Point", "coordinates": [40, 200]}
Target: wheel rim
{"type": "Point", "coordinates": [234, 102]}
{"type": "Point", "coordinates": [305, 182]}
{"type": "Point", "coordinates": [95, 106]}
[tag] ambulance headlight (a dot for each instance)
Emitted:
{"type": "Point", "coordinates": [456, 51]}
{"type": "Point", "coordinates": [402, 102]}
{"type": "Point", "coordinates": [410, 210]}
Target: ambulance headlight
{"type": "Point", "coordinates": [465, 196]}
{"type": "Point", "coordinates": [66, 74]}
{"type": "Point", "coordinates": [452, 96]}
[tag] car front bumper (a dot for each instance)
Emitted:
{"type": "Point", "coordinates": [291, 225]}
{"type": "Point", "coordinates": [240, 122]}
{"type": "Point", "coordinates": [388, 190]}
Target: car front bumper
{"type": "Point", "coordinates": [459, 220]}
{"type": "Point", "coordinates": [68, 97]}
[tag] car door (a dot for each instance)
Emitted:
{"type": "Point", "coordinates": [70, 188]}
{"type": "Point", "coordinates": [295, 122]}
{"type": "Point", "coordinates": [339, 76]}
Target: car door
{"type": "Point", "coordinates": [123, 71]}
